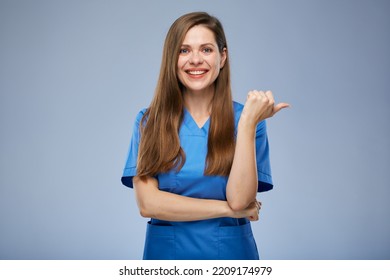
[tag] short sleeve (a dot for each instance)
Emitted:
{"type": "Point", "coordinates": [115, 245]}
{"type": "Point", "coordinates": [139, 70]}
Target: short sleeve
{"type": "Point", "coordinates": [262, 158]}
{"type": "Point", "coordinates": [130, 169]}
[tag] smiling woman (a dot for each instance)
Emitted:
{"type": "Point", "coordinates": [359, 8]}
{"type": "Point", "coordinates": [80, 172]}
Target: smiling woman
{"type": "Point", "coordinates": [196, 158]}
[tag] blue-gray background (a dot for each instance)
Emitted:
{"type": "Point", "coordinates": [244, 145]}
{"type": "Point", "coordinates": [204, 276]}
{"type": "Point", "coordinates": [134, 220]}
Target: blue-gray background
{"type": "Point", "coordinates": [73, 75]}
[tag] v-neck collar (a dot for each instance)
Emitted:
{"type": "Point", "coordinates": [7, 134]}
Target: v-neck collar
{"type": "Point", "coordinates": [189, 121]}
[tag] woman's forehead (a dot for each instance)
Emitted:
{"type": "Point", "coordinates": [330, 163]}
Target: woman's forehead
{"type": "Point", "coordinates": [199, 35]}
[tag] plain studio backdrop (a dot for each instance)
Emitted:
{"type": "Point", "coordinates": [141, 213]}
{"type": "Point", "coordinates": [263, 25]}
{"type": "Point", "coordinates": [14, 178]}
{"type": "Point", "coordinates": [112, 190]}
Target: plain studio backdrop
{"type": "Point", "coordinates": [74, 74]}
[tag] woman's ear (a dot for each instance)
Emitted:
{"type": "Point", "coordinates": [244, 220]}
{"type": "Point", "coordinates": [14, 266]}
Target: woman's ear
{"type": "Point", "coordinates": [223, 57]}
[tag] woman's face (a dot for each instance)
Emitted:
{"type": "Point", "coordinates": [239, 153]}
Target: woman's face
{"type": "Point", "coordinates": [199, 60]}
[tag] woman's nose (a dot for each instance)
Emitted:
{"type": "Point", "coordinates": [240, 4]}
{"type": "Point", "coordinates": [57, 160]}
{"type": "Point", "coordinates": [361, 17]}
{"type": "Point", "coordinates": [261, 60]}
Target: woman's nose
{"type": "Point", "coordinates": [196, 58]}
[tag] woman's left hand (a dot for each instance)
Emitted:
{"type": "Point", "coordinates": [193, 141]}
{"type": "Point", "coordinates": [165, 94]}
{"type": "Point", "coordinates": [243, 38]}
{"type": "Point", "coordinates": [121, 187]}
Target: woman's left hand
{"type": "Point", "coordinates": [259, 106]}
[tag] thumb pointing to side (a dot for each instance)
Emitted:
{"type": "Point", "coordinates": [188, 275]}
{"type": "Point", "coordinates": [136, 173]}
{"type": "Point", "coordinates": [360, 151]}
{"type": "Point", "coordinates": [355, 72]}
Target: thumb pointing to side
{"type": "Point", "coordinates": [279, 107]}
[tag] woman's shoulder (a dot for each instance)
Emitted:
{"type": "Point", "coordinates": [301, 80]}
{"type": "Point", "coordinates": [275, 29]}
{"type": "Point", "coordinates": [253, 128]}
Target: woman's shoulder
{"type": "Point", "coordinates": [237, 108]}
{"type": "Point", "coordinates": [140, 114]}
{"type": "Point", "coordinates": [139, 117]}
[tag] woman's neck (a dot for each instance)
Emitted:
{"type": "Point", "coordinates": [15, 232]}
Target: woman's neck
{"type": "Point", "coordinates": [199, 101]}
{"type": "Point", "coordinates": [199, 104]}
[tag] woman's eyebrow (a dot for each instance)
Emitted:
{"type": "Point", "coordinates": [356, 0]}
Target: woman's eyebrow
{"type": "Point", "coordinates": [202, 45]}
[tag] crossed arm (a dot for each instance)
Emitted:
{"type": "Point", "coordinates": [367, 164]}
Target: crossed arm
{"type": "Point", "coordinates": [154, 203]}
{"type": "Point", "coordinates": [240, 191]}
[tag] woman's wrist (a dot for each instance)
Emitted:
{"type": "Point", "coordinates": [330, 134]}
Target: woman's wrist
{"type": "Point", "coordinates": [246, 123]}
{"type": "Point", "coordinates": [247, 127]}
{"type": "Point", "coordinates": [226, 211]}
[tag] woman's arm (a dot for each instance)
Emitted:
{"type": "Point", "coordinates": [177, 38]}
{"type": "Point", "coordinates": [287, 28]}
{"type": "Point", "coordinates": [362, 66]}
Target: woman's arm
{"type": "Point", "coordinates": [241, 188]}
{"type": "Point", "coordinates": [154, 203]}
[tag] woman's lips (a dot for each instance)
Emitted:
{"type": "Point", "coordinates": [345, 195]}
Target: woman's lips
{"type": "Point", "coordinates": [196, 73]}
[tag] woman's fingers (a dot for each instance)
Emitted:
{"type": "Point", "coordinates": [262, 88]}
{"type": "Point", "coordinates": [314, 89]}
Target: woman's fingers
{"type": "Point", "coordinates": [254, 217]}
{"type": "Point", "coordinates": [262, 104]}
{"type": "Point", "coordinates": [271, 102]}
{"type": "Point", "coordinates": [279, 107]}
{"type": "Point", "coordinates": [255, 209]}
{"type": "Point", "coordinates": [270, 97]}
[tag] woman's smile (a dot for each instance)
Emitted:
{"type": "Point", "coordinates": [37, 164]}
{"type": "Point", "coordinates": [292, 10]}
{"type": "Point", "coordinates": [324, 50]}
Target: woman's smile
{"type": "Point", "coordinates": [196, 73]}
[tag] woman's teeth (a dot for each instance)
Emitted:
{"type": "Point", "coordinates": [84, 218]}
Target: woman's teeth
{"type": "Point", "coordinates": [197, 72]}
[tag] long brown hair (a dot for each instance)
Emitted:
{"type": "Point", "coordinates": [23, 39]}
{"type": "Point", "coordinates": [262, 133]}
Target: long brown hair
{"type": "Point", "coordinates": [160, 149]}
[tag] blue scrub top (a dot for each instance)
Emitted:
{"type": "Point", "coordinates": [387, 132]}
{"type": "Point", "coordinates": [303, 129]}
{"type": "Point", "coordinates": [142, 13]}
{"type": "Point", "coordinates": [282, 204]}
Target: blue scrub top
{"type": "Point", "coordinates": [219, 238]}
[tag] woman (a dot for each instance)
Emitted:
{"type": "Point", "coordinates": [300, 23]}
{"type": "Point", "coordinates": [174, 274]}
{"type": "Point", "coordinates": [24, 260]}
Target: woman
{"type": "Point", "coordinates": [196, 158]}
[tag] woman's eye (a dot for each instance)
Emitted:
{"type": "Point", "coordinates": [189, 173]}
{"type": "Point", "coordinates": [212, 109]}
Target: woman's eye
{"type": "Point", "coordinates": [184, 51]}
{"type": "Point", "coordinates": [207, 50]}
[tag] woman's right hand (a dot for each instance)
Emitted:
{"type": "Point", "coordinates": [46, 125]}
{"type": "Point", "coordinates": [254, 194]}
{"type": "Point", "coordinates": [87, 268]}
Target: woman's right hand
{"type": "Point", "coordinates": [251, 212]}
